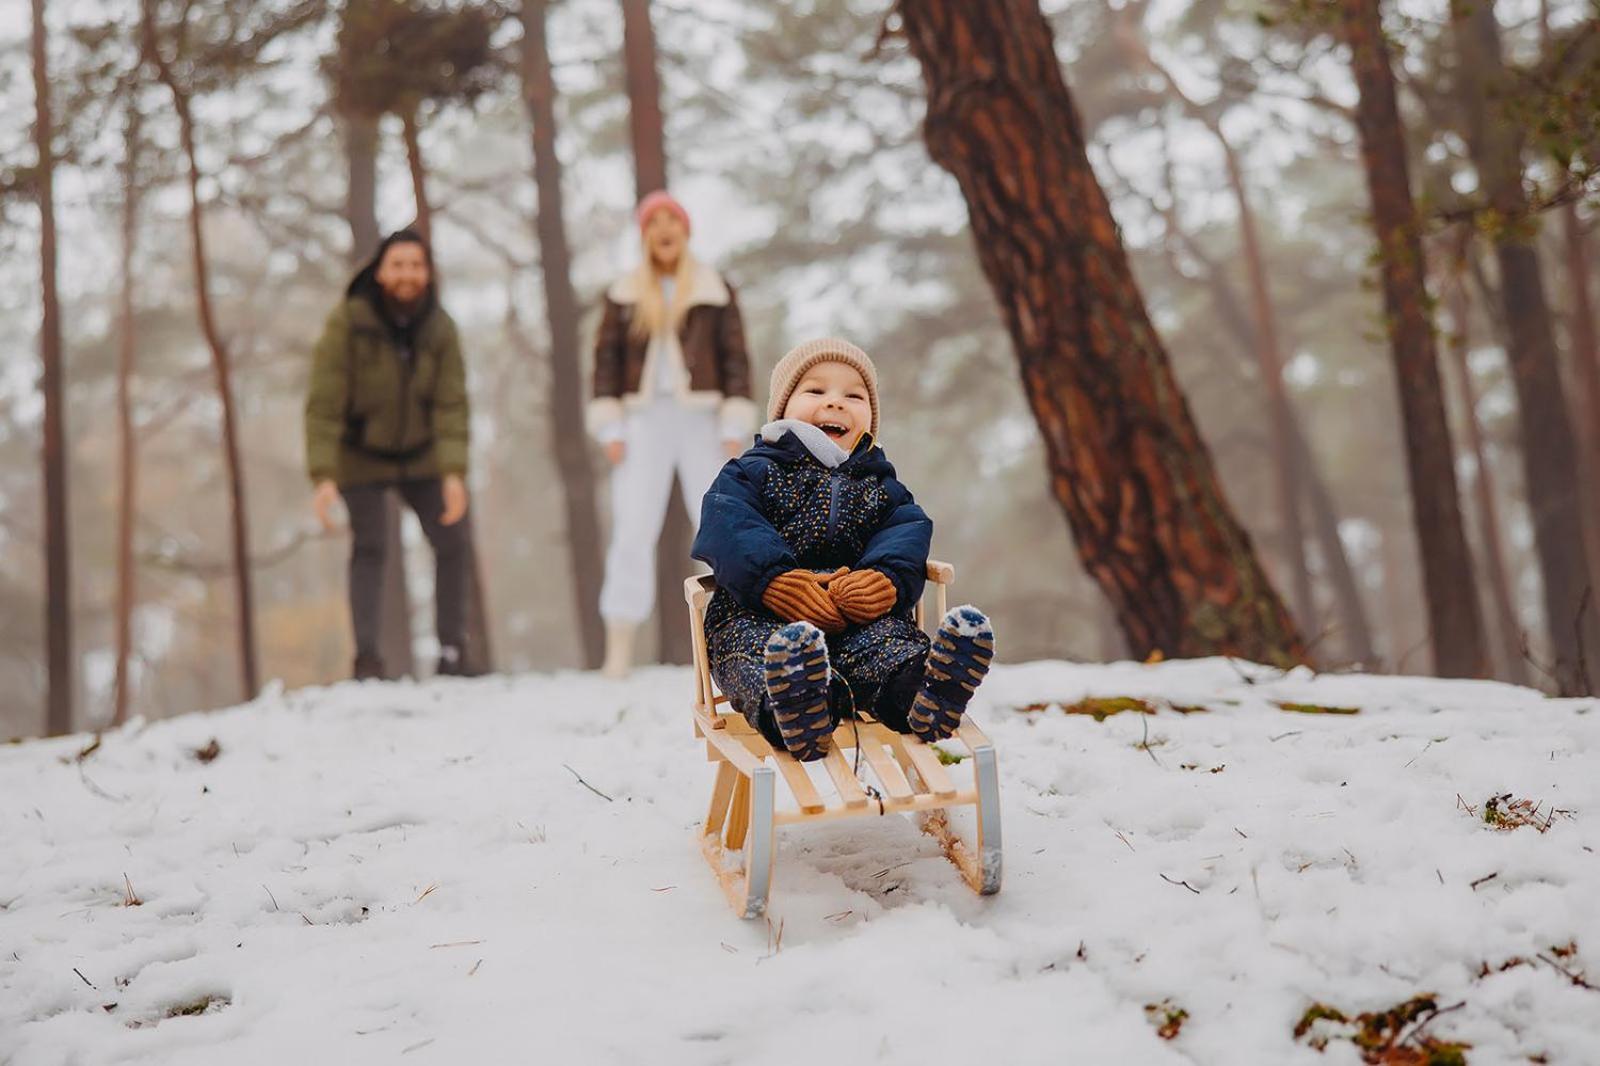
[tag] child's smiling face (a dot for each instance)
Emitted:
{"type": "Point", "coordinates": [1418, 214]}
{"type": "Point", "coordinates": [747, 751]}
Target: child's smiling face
{"type": "Point", "coordinates": [833, 397]}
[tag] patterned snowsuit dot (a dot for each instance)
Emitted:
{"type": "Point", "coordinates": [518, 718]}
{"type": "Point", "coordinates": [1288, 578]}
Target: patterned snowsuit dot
{"type": "Point", "coordinates": [777, 508]}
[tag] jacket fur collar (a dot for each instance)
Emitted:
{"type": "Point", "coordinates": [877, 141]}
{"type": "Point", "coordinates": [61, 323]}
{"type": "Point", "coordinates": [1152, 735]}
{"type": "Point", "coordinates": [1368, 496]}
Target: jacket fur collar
{"type": "Point", "coordinates": [707, 287]}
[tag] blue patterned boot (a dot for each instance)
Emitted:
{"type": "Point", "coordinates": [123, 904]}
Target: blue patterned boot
{"type": "Point", "coordinates": [957, 662]}
{"type": "Point", "coordinates": [797, 685]}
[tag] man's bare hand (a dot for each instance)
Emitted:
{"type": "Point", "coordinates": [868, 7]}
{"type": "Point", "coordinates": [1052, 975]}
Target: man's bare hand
{"type": "Point", "coordinates": [455, 500]}
{"type": "Point", "coordinates": [323, 500]}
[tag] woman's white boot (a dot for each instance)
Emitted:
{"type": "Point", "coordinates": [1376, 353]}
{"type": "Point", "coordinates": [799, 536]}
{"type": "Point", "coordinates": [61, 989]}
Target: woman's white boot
{"type": "Point", "coordinates": [619, 649]}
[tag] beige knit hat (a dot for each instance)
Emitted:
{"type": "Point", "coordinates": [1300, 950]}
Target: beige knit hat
{"type": "Point", "coordinates": [802, 357]}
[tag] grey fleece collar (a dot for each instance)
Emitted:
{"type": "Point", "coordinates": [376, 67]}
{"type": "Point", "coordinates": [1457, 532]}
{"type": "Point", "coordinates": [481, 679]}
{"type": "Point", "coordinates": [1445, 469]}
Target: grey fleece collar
{"type": "Point", "coordinates": [818, 443]}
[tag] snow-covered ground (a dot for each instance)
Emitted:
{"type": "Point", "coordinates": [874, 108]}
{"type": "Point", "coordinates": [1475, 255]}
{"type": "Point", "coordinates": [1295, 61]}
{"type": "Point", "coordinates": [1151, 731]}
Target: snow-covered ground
{"type": "Point", "coordinates": [415, 873]}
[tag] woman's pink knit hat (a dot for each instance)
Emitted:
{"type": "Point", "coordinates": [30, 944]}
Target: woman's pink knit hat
{"type": "Point", "coordinates": [657, 201]}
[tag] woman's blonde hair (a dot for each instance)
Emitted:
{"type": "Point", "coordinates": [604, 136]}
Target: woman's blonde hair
{"type": "Point", "coordinates": [652, 315]}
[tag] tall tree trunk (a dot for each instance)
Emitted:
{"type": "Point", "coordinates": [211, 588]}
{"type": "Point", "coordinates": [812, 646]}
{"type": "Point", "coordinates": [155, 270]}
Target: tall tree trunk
{"type": "Point", "coordinates": [649, 174]}
{"type": "Point", "coordinates": [1514, 667]}
{"type": "Point", "coordinates": [233, 465]}
{"type": "Point", "coordinates": [1269, 352]}
{"type": "Point", "coordinates": [361, 211]}
{"type": "Point", "coordinates": [1352, 611]}
{"type": "Point", "coordinates": [1585, 361]}
{"type": "Point", "coordinates": [1549, 455]}
{"type": "Point", "coordinates": [477, 656]}
{"type": "Point", "coordinates": [567, 439]}
{"type": "Point", "coordinates": [419, 174]}
{"type": "Point", "coordinates": [1455, 625]}
{"type": "Point", "coordinates": [127, 480]}
{"type": "Point", "coordinates": [361, 192]}
{"type": "Point", "coordinates": [1126, 462]}
{"type": "Point", "coordinates": [1269, 355]}
{"type": "Point", "coordinates": [1584, 349]}
{"type": "Point", "coordinates": [57, 556]}
{"type": "Point", "coordinates": [645, 123]}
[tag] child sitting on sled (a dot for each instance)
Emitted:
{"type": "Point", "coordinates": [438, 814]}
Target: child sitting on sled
{"type": "Point", "coordinates": [820, 557]}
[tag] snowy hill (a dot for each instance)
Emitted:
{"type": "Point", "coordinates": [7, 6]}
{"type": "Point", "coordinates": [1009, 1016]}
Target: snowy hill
{"type": "Point", "coordinates": [416, 874]}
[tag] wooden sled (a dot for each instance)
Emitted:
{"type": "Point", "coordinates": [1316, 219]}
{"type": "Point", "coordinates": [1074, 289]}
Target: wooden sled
{"type": "Point", "coordinates": [745, 808]}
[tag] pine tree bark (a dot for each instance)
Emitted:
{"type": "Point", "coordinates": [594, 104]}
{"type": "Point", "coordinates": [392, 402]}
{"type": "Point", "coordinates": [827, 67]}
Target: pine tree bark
{"type": "Point", "coordinates": [1126, 462]}
{"type": "Point", "coordinates": [127, 464]}
{"type": "Point", "coordinates": [647, 129]}
{"type": "Point", "coordinates": [1513, 666]}
{"type": "Point", "coordinates": [1549, 454]}
{"type": "Point", "coordinates": [57, 556]}
{"type": "Point", "coordinates": [568, 442]}
{"type": "Point", "coordinates": [1455, 622]}
{"type": "Point", "coordinates": [233, 464]}
{"type": "Point", "coordinates": [361, 212]}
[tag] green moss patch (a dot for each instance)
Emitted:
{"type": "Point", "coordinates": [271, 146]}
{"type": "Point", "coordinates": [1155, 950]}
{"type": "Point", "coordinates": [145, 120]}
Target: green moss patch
{"type": "Point", "coordinates": [1314, 708]}
{"type": "Point", "coordinates": [1392, 1037]}
{"type": "Point", "coordinates": [203, 1005]}
{"type": "Point", "coordinates": [1102, 707]}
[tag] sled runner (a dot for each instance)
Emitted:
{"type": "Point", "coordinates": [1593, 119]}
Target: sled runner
{"type": "Point", "coordinates": [900, 774]}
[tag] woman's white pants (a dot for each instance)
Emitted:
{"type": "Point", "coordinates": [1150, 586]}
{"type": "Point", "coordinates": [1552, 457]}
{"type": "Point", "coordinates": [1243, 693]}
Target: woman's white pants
{"type": "Point", "coordinates": [662, 438]}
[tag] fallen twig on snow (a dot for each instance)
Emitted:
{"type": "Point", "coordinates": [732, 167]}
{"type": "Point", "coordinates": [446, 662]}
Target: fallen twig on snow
{"type": "Point", "coordinates": [586, 784]}
{"type": "Point", "coordinates": [1185, 884]}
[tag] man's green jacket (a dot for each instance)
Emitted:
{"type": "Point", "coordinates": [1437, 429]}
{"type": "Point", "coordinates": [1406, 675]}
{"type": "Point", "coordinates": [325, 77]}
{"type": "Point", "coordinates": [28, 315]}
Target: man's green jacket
{"type": "Point", "coordinates": [374, 415]}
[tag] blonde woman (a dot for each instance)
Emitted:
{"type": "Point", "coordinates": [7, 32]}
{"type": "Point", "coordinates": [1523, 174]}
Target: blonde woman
{"type": "Point", "coordinates": [671, 395]}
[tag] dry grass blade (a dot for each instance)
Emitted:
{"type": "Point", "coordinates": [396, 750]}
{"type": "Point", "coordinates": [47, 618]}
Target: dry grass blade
{"type": "Point", "coordinates": [130, 898]}
{"type": "Point", "coordinates": [94, 746]}
{"type": "Point", "coordinates": [427, 892]}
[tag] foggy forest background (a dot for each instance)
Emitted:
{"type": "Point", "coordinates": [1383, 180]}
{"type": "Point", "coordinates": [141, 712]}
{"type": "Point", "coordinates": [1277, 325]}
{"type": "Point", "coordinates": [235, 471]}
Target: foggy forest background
{"type": "Point", "coordinates": [1224, 134]}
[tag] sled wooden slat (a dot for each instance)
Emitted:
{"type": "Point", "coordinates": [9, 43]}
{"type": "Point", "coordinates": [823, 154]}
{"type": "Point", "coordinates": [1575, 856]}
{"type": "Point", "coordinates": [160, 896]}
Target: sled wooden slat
{"type": "Point", "coordinates": [739, 817]}
{"type": "Point", "coordinates": [738, 837]}
{"type": "Point", "coordinates": [921, 803]}
{"type": "Point", "coordinates": [844, 779]}
{"type": "Point", "coordinates": [799, 782]}
{"type": "Point", "coordinates": [721, 797]}
{"type": "Point", "coordinates": [889, 774]}
{"type": "Point", "coordinates": [722, 746]}
{"type": "Point", "coordinates": [933, 774]}
{"type": "Point", "coordinates": [973, 737]}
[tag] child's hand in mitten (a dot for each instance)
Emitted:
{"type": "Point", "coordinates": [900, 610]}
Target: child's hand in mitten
{"type": "Point", "coordinates": [802, 596]}
{"type": "Point", "coordinates": [863, 595]}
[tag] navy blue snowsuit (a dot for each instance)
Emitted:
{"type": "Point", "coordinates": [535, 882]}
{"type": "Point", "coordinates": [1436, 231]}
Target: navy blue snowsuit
{"type": "Point", "coordinates": [776, 508]}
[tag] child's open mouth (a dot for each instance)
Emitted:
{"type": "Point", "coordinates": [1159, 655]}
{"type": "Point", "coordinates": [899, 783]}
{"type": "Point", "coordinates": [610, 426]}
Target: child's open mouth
{"type": "Point", "coordinates": [833, 429]}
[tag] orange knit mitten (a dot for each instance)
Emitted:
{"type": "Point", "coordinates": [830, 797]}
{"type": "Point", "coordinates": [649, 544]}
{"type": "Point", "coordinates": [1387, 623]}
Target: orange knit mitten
{"type": "Point", "coordinates": [802, 596]}
{"type": "Point", "coordinates": [863, 595]}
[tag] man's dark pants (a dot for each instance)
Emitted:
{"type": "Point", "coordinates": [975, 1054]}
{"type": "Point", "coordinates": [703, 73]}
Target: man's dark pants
{"type": "Point", "coordinates": [425, 497]}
